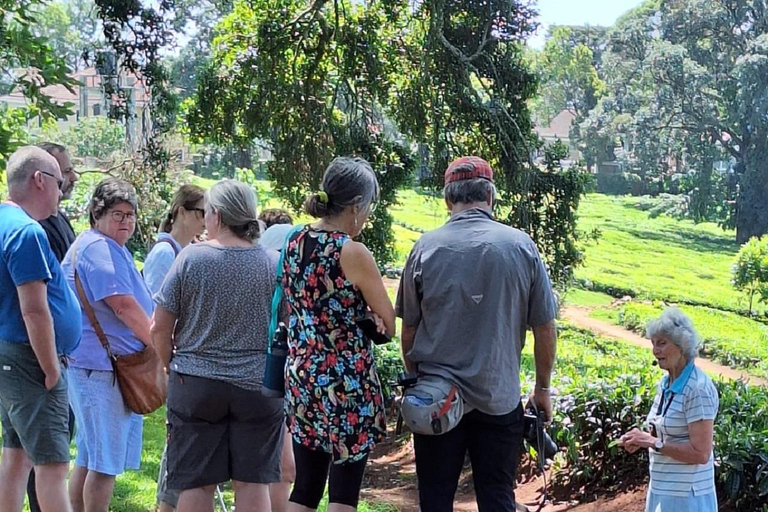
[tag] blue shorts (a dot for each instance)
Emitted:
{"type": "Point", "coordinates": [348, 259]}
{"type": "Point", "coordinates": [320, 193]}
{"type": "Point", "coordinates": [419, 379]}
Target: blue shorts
{"type": "Point", "coordinates": [108, 435]}
{"type": "Point", "coordinates": [691, 503]}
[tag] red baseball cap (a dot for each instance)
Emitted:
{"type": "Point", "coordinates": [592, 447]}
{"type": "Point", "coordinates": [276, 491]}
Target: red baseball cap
{"type": "Point", "coordinates": [468, 168]}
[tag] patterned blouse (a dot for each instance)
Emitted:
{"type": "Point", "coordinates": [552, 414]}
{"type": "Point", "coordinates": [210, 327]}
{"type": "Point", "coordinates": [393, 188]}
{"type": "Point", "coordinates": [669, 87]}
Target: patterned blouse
{"type": "Point", "coordinates": [334, 398]}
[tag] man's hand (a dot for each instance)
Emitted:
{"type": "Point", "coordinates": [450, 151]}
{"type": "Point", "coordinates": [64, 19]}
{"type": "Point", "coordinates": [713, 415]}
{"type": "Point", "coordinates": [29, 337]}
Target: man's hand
{"type": "Point", "coordinates": [542, 399]}
{"type": "Point", "coordinates": [52, 378]}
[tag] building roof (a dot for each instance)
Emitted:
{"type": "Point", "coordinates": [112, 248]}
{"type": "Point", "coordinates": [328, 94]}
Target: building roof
{"type": "Point", "coordinates": [559, 127]}
{"type": "Point", "coordinates": [89, 78]}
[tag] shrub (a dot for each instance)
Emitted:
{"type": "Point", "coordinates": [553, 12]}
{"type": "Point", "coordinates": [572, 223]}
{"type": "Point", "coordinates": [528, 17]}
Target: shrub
{"type": "Point", "coordinates": [750, 271]}
{"type": "Point", "coordinates": [388, 364]}
{"type": "Point", "coordinates": [97, 137]}
{"type": "Point", "coordinates": [741, 446]}
{"type": "Point", "coordinates": [618, 184]}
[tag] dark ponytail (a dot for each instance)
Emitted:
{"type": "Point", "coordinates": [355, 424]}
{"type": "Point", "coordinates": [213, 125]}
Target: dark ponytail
{"type": "Point", "coordinates": [187, 196]}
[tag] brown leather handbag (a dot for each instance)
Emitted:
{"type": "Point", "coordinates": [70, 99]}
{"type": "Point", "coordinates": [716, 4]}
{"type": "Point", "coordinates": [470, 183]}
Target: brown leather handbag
{"type": "Point", "coordinates": [140, 376]}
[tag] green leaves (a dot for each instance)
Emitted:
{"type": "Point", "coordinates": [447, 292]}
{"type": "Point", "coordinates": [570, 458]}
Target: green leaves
{"type": "Point", "coordinates": [28, 65]}
{"type": "Point", "coordinates": [750, 270]}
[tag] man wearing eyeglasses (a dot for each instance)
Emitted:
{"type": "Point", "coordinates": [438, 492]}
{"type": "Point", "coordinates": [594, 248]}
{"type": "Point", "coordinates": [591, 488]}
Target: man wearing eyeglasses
{"type": "Point", "coordinates": [57, 226]}
{"type": "Point", "coordinates": [60, 235]}
{"type": "Point", "coordinates": [41, 324]}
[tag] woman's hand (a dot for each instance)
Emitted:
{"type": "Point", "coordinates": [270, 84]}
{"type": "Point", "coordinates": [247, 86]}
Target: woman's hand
{"type": "Point", "coordinates": [636, 439]}
{"type": "Point", "coordinates": [381, 327]}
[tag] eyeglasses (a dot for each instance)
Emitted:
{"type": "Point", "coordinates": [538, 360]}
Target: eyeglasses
{"type": "Point", "coordinates": [201, 210]}
{"type": "Point", "coordinates": [59, 181]}
{"type": "Point", "coordinates": [119, 216]}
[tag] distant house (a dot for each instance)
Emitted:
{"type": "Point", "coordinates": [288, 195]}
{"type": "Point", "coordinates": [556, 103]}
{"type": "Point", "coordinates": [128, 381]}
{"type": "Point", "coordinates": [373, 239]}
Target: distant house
{"type": "Point", "coordinates": [560, 128]}
{"type": "Point", "coordinates": [89, 100]}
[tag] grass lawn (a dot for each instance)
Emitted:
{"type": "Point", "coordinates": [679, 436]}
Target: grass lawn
{"type": "Point", "coordinates": [135, 491]}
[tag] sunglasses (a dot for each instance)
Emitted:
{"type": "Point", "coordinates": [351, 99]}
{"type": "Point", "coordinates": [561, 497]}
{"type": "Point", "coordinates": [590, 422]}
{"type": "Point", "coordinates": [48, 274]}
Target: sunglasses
{"type": "Point", "coordinates": [59, 181]}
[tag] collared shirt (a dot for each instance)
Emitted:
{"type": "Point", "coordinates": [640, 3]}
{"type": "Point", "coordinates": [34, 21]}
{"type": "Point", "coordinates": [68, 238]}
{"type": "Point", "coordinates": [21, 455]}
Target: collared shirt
{"type": "Point", "coordinates": [472, 287]}
{"type": "Point", "coordinates": [690, 398]}
{"type": "Point", "coordinates": [25, 257]}
{"type": "Point", "coordinates": [159, 261]}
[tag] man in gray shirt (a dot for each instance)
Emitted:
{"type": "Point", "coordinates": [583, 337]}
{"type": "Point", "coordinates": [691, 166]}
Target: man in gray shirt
{"type": "Point", "coordinates": [469, 292]}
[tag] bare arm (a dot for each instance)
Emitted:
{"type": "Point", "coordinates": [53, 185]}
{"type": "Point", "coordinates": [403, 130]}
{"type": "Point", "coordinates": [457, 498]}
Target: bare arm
{"type": "Point", "coordinates": [128, 310]}
{"type": "Point", "coordinates": [163, 324]}
{"type": "Point", "coordinates": [407, 337]}
{"type": "Point", "coordinates": [544, 351]}
{"type": "Point", "coordinates": [696, 450]}
{"type": "Point", "coordinates": [360, 269]}
{"type": "Point", "coordinates": [33, 299]}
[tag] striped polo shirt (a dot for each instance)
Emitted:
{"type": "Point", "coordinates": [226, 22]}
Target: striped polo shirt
{"type": "Point", "coordinates": [692, 397]}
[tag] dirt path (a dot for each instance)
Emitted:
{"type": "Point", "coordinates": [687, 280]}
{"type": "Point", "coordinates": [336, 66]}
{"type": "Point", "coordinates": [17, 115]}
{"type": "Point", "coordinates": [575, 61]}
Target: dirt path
{"type": "Point", "coordinates": [391, 478]}
{"type": "Point", "coordinates": [580, 317]}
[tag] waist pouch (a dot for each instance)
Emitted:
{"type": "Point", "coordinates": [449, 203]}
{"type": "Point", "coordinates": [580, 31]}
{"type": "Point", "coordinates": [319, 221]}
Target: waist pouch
{"type": "Point", "coordinates": [432, 406]}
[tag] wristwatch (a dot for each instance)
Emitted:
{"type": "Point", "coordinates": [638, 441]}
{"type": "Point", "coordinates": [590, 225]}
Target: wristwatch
{"type": "Point", "coordinates": [658, 445]}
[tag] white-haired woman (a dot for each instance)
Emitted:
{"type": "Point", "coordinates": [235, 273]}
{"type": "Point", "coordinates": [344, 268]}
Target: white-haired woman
{"type": "Point", "coordinates": [214, 309]}
{"type": "Point", "coordinates": [680, 423]}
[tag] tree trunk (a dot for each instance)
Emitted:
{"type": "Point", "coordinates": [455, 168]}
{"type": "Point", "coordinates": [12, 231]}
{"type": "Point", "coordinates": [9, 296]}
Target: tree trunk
{"type": "Point", "coordinates": [752, 216]}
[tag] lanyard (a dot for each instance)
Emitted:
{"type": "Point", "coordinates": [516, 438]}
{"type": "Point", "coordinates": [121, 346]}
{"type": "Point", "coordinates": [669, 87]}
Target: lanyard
{"type": "Point", "coordinates": [661, 410]}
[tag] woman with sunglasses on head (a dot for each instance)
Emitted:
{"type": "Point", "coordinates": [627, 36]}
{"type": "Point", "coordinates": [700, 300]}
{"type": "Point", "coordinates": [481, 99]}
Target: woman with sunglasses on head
{"type": "Point", "coordinates": [108, 434]}
{"type": "Point", "coordinates": [680, 423]}
{"type": "Point", "coordinates": [184, 222]}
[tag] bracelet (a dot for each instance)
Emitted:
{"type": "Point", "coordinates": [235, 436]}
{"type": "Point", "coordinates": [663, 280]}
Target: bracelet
{"type": "Point", "coordinates": [540, 388]}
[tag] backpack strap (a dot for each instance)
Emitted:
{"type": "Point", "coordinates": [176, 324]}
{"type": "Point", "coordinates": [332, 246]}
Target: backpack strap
{"type": "Point", "coordinates": [166, 241]}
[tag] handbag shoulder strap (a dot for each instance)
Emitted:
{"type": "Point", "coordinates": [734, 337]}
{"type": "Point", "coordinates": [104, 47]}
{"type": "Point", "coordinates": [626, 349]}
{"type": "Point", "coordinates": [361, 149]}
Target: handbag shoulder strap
{"type": "Point", "coordinates": [90, 313]}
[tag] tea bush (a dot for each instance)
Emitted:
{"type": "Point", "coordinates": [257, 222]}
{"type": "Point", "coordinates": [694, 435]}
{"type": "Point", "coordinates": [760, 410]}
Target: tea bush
{"type": "Point", "coordinates": [741, 446]}
{"type": "Point", "coordinates": [728, 338]}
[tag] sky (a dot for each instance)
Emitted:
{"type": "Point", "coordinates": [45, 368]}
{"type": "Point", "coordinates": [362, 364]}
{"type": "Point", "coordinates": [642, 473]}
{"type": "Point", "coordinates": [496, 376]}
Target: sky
{"type": "Point", "coordinates": [578, 12]}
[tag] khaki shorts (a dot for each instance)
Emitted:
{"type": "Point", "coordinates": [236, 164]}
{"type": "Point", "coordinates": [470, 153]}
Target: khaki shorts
{"type": "Point", "coordinates": [33, 418]}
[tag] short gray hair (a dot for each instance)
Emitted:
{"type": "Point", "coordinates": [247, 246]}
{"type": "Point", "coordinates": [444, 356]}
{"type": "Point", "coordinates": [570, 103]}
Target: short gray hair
{"type": "Point", "coordinates": [347, 182]}
{"type": "Point", "coordinates": [23, 163]}
{"type": "Point", "coordinates": [108, 193]}
{"type": "Point", "coordinates": [674, 326]}
{"type": "Point", "coordinates": [469, 191]}
{"type": "Point", "coordinates": [236, 203]}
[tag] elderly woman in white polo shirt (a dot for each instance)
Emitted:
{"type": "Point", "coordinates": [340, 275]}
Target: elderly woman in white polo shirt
{"type": "Point", "coordinates": [680, 423]}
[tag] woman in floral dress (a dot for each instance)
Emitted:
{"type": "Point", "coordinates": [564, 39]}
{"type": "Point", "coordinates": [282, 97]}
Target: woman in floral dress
{"type": "Point", "coordinates": [335, 404]}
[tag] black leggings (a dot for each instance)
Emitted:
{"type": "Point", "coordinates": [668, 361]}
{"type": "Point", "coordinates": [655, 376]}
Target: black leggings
{"type": "Point", "coordinates": [312, 468]}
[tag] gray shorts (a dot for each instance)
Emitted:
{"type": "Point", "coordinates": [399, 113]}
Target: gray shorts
{"type": "Point", "coordinates": [33, 418]}
{"type": "Point", "coordinates": [219, 432]}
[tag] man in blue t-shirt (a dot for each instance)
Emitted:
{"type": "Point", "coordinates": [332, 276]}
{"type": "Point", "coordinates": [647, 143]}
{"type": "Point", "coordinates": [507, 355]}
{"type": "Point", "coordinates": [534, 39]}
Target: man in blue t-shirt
{"type": "Point", "coordinates": [41, 324]}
